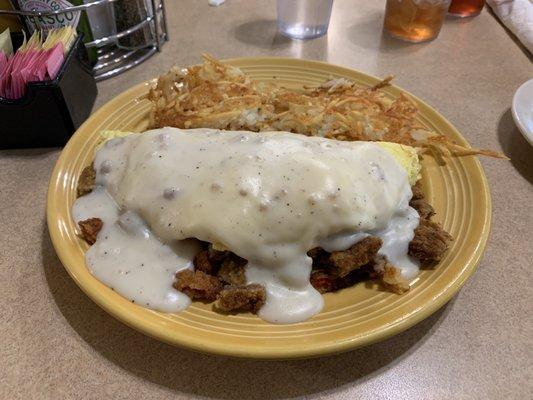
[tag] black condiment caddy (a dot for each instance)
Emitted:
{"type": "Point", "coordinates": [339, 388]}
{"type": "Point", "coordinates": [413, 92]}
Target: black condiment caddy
{"type": "Point", "coordinates": [51, 111]}
{"type": "Point", "coordinates": [141, 31]}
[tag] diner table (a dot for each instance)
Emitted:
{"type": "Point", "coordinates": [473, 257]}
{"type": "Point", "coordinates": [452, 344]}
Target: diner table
{"type": "Point", "coordinates": [55, 343]}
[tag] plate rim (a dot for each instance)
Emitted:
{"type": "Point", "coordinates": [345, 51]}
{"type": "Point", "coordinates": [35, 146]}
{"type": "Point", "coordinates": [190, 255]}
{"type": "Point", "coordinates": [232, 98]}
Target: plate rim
{"type": "Point", "coordinates": [528, 135]}
{"type": "Point", "coordinates": [304, 351]}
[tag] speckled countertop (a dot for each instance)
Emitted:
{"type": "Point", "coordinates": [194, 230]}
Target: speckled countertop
{"type": "Point", "coordinates": [55, 343]}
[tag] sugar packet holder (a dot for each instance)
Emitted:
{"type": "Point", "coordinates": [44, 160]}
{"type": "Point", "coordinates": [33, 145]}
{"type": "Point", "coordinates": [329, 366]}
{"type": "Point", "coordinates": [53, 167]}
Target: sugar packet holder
{"type": "Point", "coordinates": [51, 111]}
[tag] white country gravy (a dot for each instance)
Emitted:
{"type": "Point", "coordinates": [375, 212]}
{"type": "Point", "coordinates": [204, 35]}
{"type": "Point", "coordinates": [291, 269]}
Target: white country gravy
{"type": "Point", "coordinates": [268, 197]}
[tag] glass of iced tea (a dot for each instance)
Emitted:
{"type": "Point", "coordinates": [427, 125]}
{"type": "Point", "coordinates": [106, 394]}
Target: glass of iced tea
{"type": "Point", "coordinates": [466, 8]}
{"type": "Point", "coordinates": [415, 20]}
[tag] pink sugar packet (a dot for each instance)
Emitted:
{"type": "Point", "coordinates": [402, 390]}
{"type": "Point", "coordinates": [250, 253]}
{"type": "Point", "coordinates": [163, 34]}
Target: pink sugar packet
{"type": "Point", "coordinates": [3, 61]}
{"type": "Point", "coordinates": [16, 78]}
{"type": "Point", "coordinates": [37, 71]}
{"type": "Point", "coordinates": [18, 86]}
{"type": "Point", "coordinates": [55, 60]}
{"type": "Point", "coordinates": [5, 79]}
{"type": "Point", "coordinates": [17, 83]}
{"type": "Point", "coordinates": [30, 63]}
{"type": "Point", "coordinates": [3, 68]}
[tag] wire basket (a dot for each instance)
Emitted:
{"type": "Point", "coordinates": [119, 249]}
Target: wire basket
{"type": "Point", "coordinates": [112, 58]}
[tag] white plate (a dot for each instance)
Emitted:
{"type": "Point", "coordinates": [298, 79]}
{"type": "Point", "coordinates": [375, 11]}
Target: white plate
{"type": "Point", "coordinates": [522, 110]}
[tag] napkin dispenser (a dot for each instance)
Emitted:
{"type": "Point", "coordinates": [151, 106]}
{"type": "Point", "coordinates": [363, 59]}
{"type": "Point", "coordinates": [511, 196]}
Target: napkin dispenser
{"type": "Point", "coordinates": [51, 111]}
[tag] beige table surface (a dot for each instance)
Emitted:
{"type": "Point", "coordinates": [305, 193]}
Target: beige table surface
{"type": "Point", "coordinates": [56, 344]}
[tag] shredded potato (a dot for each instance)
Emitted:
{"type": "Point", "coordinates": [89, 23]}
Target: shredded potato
{"type": "Point", "coordinates": [220, 96]}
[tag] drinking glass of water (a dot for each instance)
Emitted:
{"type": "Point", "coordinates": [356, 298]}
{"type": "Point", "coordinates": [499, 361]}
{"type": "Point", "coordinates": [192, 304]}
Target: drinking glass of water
{"type": "Point", "coordinates": [304, 19]}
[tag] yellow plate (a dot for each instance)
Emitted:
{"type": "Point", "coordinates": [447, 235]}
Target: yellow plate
{"type": "Point", "coordinates": [351, 318]}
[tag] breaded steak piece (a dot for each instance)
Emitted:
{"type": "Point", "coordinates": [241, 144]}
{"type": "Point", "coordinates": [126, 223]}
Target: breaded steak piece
{"type": "Point", "coordinates": [86, 181]}
{"type": "Point", "coordinates": [90, 228]}
{"type": "Point", "coordinates": [198, 285]}
{"type": "Point", "coordinates": [241, 298]}
{"type": "Point", "coordinates": [429, 243]}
